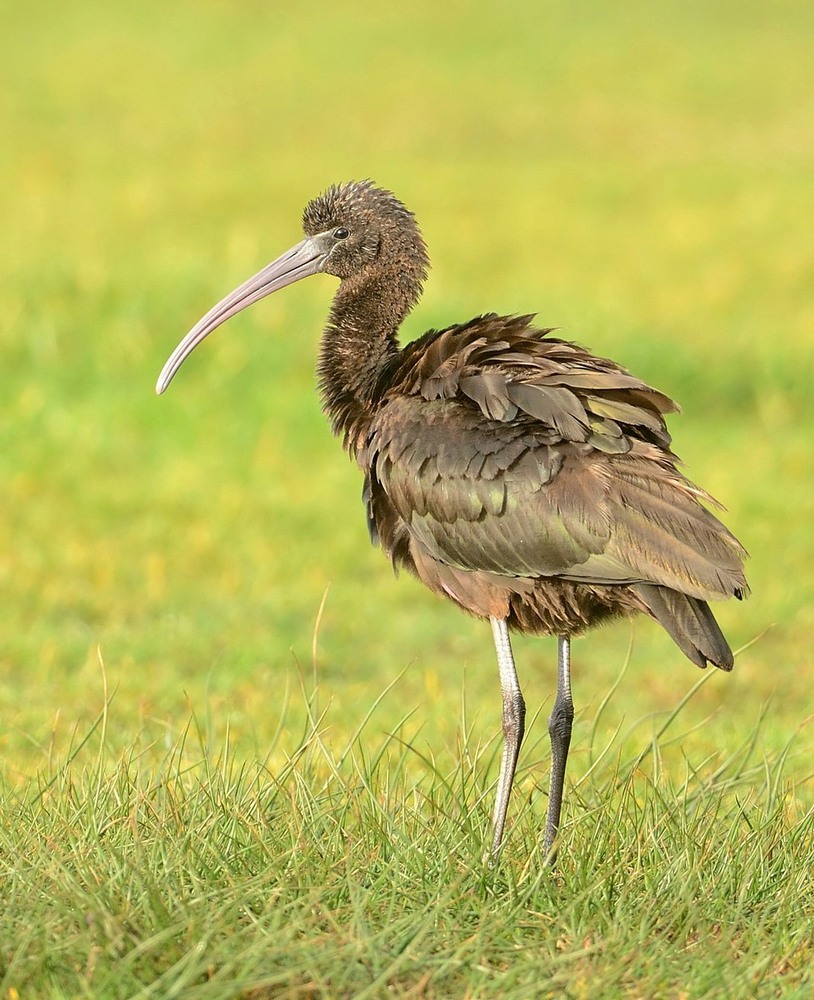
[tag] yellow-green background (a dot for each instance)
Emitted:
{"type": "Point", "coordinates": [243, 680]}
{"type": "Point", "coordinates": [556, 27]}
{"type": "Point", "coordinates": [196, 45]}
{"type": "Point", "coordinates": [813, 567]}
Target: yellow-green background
{"type": "Point", "coordinates": [639, 175]}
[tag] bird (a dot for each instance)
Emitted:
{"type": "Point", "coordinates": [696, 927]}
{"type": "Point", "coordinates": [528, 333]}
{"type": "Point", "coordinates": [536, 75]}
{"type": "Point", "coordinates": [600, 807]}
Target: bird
{"type": "Point", "coordinates": [524, 478]}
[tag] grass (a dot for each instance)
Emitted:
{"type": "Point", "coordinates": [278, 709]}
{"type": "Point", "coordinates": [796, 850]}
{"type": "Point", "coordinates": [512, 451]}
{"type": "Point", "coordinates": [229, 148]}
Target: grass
{"type": "Point", "coordinates": [239, 804]}
{"type": "Point", "coordinates": [352, 872]}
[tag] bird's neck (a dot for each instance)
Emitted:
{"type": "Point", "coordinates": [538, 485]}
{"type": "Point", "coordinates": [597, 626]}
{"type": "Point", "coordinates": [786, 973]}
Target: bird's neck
{"type": "Point", "coordinates": [358, 342]}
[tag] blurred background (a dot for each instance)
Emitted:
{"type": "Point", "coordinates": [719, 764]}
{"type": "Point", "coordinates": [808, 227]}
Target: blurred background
{"type": "Point", "coordinates": [638, 174]}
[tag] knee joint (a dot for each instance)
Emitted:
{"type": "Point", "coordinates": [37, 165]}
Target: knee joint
{"type": "Point", "coordinates": [514, 716]}
{"type": "Point", "coordinates": [561, 718]}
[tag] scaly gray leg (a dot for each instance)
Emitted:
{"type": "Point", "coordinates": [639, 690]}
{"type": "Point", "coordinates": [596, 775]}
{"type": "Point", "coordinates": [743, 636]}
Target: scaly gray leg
{"type": "Point", "coordinates": [559, 729]}
{"type": "Point", "coordinates": [514, 723]}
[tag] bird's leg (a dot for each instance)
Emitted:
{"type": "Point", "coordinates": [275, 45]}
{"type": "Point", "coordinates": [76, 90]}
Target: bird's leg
{"type": "Point", "coordinates": [559, 729]}
{"type": "Point", "coordinates": [514, 723]}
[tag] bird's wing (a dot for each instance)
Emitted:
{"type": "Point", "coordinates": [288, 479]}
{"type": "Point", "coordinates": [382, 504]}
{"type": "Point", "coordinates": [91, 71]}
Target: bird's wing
{"type": "Point", "coordinates": [503, 451]}
{"type": "Point", "coordinates": [476, 494]}
{"type": "Point", "coordinates": [508, 369]}
{"type": "Point", "coordinates": [663, 531]}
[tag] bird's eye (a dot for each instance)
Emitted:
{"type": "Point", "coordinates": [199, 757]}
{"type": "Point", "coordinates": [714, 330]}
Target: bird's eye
{"type": "Point", "coordinates": [341, 233]}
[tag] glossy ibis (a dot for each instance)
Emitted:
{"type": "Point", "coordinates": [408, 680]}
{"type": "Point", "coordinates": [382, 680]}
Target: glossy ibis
{"type": "Point", "coordinates": [524, 478]}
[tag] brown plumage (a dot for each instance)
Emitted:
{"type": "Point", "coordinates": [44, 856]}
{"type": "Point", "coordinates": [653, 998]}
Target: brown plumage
{"type": "Point", "coordinates": [515, 473]}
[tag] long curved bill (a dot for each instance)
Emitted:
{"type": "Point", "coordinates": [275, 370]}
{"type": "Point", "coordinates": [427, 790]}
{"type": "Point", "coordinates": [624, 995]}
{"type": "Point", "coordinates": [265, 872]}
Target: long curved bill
{"type": "Point", "coordinates": [299, 262]}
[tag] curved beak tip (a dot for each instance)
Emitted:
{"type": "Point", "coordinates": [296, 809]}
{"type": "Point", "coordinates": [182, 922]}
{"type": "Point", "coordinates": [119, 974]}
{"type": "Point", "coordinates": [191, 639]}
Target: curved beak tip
{"type": "Point", "coordinates": [163, 380]}
{"type": "Point", "coordinates": [306, 258]}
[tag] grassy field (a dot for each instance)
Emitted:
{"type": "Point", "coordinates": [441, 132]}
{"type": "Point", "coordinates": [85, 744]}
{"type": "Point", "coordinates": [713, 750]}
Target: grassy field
{"type": "Point", "coordinates": [237, 758]}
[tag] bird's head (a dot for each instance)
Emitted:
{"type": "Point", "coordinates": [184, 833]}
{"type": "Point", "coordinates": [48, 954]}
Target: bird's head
{"type": "Point", "coordinates": [359, 224]}
{"type": "Point", "coordinates": [350, 230]}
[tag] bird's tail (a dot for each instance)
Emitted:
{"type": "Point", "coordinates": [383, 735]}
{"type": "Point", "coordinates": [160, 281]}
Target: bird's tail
{"type": "Point", "coordinates": [689, 623]}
